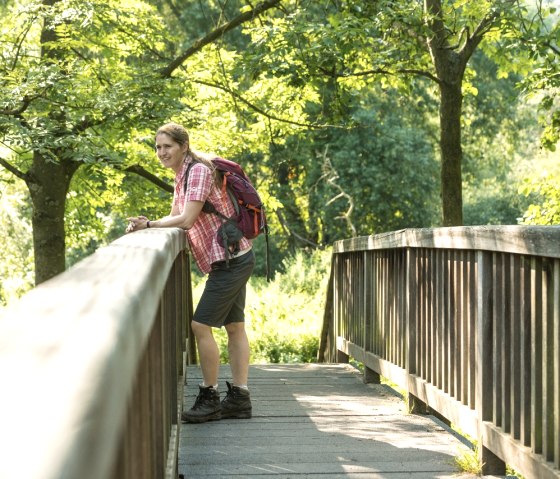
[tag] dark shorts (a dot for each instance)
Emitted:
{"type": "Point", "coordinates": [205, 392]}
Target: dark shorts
{"type": "Point", "coordinates": [223, 299]}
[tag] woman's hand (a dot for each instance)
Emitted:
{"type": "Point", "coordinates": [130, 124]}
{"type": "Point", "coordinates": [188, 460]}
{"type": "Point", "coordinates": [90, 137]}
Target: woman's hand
{"type": "Point", "coordinates": [136, 223]}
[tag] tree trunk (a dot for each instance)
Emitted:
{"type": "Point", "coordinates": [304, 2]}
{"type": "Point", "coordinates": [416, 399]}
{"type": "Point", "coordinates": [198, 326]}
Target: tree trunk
{"type": "Point", "coordinates": [450, 69]}
{"type": "Point", "coordinates": [451, 100]}
{"type": "Point", "coordinates": [48, 184]}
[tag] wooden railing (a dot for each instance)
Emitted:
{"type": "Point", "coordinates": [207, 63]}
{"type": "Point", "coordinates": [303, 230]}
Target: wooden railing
{"type": "Point", "coordinates": [91, 365]}
{"type": "Point", "coordinates": [467, 321]}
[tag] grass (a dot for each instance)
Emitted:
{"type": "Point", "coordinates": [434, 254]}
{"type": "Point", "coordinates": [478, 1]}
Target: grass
{"type": "Point", "coordinates": [468, 461]}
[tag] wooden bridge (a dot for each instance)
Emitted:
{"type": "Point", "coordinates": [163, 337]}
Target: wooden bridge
{"type": "Point", "coordinates": [465, 320]}
{"type": "Point", "coordinates": [318, 420]}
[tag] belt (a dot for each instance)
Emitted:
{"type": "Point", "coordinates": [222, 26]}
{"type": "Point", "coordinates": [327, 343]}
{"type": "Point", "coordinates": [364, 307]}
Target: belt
{"type": "Point", "coordinates": [241, 253]}
{"type": "Point", "coordinates": [219, 264]}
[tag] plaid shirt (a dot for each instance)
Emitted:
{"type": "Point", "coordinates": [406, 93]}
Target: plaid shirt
{"type": "Point", "coordinates": [202, 236]}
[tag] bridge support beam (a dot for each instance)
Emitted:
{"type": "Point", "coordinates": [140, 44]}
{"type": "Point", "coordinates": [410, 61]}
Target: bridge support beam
{"type": "Point", "coordinates": [491, 464]}
{"type": "Point", "coordinates": [342, 357]}
{"type": "Point", "coordinates": [416, 405]}
{"type": "Point", "coordinates": [371, 376]}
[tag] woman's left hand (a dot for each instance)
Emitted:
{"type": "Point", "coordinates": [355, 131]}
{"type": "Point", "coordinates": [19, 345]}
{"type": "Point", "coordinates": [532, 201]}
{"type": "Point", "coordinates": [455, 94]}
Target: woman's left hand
{"type": "Point", "coordinates": [136, 223]}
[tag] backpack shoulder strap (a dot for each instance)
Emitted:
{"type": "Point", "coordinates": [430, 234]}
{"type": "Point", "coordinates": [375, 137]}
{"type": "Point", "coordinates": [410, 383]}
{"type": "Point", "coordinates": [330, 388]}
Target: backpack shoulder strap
{"type": "Point", "coordinates": [208, 207]}
{"type": "Point", "coordinates": [186, 179]}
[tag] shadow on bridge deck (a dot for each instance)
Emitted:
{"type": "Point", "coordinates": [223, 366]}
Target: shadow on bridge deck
{"type": "Point", "coordinates": [316, 420]}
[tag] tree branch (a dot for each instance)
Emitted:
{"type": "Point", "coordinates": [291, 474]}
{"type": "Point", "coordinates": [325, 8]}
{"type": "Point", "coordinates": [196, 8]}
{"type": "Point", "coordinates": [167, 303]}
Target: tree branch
{"type": "Point", "coordinates": [255, 107]}
{"type": "Point", "coordinates": [331, 176]}
{"type": "Point", "coordinates": [472, 42]}
{"type": "Point", "coordinates": [217, 33]}
{"type": "Point", "coordinates": [25, 102]}
{"type": "Point", "coordinates": [12, 169]}
{"type": "Point", "coordinates": [20, 41]}
{"type": "Point", "coordinates": [290, 232]}
{"type": "Point", "coordinates": [139, 170]}
{"type": "Point", "coordinates": [435, 23]}
{"type": "Point", "coordinates": [554, 48]}
{"type": "Point", "coordinates": [381, 71]}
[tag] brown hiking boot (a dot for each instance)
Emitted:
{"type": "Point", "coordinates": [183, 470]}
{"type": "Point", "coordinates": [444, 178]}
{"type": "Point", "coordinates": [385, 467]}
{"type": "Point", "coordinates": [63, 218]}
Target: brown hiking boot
{"type": "Point", "coordinates": [237, 403]}
{"type": "Point", "coordinates": [206, 407]}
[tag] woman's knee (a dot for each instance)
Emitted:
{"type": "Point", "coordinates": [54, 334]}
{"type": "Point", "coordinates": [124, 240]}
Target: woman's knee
{"type": "Point", "coordinates": [234, 329]}
{"type": "Point", "coordinates": [200, 329]}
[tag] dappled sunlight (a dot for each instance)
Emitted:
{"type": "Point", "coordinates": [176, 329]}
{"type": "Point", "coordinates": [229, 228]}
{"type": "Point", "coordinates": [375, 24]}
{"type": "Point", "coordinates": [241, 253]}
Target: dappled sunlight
{"type": "Point", "coordinates": [319, 419]}
{"type": "Point", "coordinates": [345, 405]}
{"type": "Point", "coordinates": [374, 418]}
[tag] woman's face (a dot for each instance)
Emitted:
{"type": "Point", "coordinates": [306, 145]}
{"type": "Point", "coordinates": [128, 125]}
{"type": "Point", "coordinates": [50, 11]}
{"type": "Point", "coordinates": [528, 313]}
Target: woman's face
{"type": "Point", "coordinates": [169, 152]}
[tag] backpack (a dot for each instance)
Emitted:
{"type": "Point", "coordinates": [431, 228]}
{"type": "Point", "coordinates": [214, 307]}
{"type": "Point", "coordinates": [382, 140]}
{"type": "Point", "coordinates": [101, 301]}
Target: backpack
{"type": "Point", "coordinates": [249, 219]}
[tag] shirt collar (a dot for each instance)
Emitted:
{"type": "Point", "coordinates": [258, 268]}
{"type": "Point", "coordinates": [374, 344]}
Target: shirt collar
{"type": "Point", "coordinates": [180, 176]}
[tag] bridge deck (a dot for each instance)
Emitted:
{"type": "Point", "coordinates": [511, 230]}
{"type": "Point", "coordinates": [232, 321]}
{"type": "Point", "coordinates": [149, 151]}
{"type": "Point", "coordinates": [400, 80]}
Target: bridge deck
{"type": "Point", "coordinates": [316, 421]}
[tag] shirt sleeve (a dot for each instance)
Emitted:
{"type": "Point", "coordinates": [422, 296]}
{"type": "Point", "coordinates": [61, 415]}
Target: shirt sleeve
{"type": "Point", "coordinates": [199, 183]}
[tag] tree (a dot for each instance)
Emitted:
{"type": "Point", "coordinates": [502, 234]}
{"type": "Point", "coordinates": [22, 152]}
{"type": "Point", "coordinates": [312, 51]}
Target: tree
{"type": "Point", "coordinates": [375, 175]}
{"type": "Point", "coordinates": [398, 43]}
{"type": "Point", "coordinates": [536, 34]}
{"type": "Point", "coordinates": [77, 79]}
{"type": "Point", "coordinates": [82, 92]}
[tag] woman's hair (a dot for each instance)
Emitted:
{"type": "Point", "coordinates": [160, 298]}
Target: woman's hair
{"type": "Point", "coordinates": [180, 135]}
{"type": "Point", "coordinates": [175, 131]}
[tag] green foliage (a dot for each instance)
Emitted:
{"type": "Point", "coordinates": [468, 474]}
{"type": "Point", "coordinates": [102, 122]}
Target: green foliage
{"type": "Point", "coordinates": [336, 183]}
{"type": "Point", "coordinates": [539, 189]}
{"type": "Point", "coordinates": [16, 251]}
{"type": "Point", "coordinates": [95, 71]}
{"type": "Point", "coordinates": [356, 71]}
{"type": "Point", "coordinates": [546, 196]}
{"type": "Point", "coordinates": [493, 203]}
{"type": "Point", "coordinates": [499, 134]}
{"type": "Point", "coordinates": [534, 40]}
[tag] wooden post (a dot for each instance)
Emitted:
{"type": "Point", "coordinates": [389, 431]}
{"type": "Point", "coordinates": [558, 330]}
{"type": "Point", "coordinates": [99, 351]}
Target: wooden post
{"type": "Point", "coordinates": [192, 357]}
{"type": "Point", "coordinates": [491, 464]}
{"type": "Point", "coordinates": [328, 318]}
{"type": "Point", "coordinates": [415, 405]}
{"type": "Point", "coordinates": [370, 376]}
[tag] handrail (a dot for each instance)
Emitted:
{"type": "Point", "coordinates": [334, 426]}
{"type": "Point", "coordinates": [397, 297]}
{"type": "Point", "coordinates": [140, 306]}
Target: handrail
{"type": "Point", "coordinates": [91, 364]}
{"type": "Point", "coordinates": [467, 321]}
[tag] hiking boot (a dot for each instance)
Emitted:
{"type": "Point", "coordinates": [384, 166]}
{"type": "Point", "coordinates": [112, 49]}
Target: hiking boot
{"type": "Point", "coordinates": [237, 403]}
{"type": "Point", "coordinates": [206, 407]}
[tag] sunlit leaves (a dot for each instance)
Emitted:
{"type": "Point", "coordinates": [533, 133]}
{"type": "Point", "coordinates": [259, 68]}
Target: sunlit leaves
{"type": "Point", "coordinates": [105, 69]}
{"type": "Point", "coordinates": [16, 251]}
{"type": "Point", "coordinates": [73, 94]}
{"type": "Point", "coordinates": [546, 207]}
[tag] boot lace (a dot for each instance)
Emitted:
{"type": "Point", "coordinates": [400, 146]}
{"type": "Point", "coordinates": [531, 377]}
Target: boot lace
{"type": "Point", "coordinates": [203, 397]}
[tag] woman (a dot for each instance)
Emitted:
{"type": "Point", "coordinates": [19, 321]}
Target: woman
{"type": "Point", "coordinates": [223, 301]}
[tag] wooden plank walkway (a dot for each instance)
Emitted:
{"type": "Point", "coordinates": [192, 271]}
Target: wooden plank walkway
{"type": "Point", "coordinates": [314, 421]}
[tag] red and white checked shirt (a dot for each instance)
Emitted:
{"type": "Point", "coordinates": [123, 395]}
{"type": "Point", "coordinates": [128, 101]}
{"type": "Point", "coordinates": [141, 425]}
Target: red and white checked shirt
{"type": "Point", "coordinates": [202, 236]}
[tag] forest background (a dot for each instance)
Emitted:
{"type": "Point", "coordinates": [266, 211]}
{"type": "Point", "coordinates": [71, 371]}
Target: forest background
{"type": "Point", "coordinates": [352, 118]}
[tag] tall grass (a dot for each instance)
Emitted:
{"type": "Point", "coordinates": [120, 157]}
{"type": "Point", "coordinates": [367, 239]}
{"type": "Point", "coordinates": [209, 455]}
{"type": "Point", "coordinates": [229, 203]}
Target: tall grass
{"type": "Point", "coordinates": [283, 317]}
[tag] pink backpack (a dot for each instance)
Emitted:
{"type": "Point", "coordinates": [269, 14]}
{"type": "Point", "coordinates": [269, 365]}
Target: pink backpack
{"type": "Point", "coordinates": [249, 219]}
